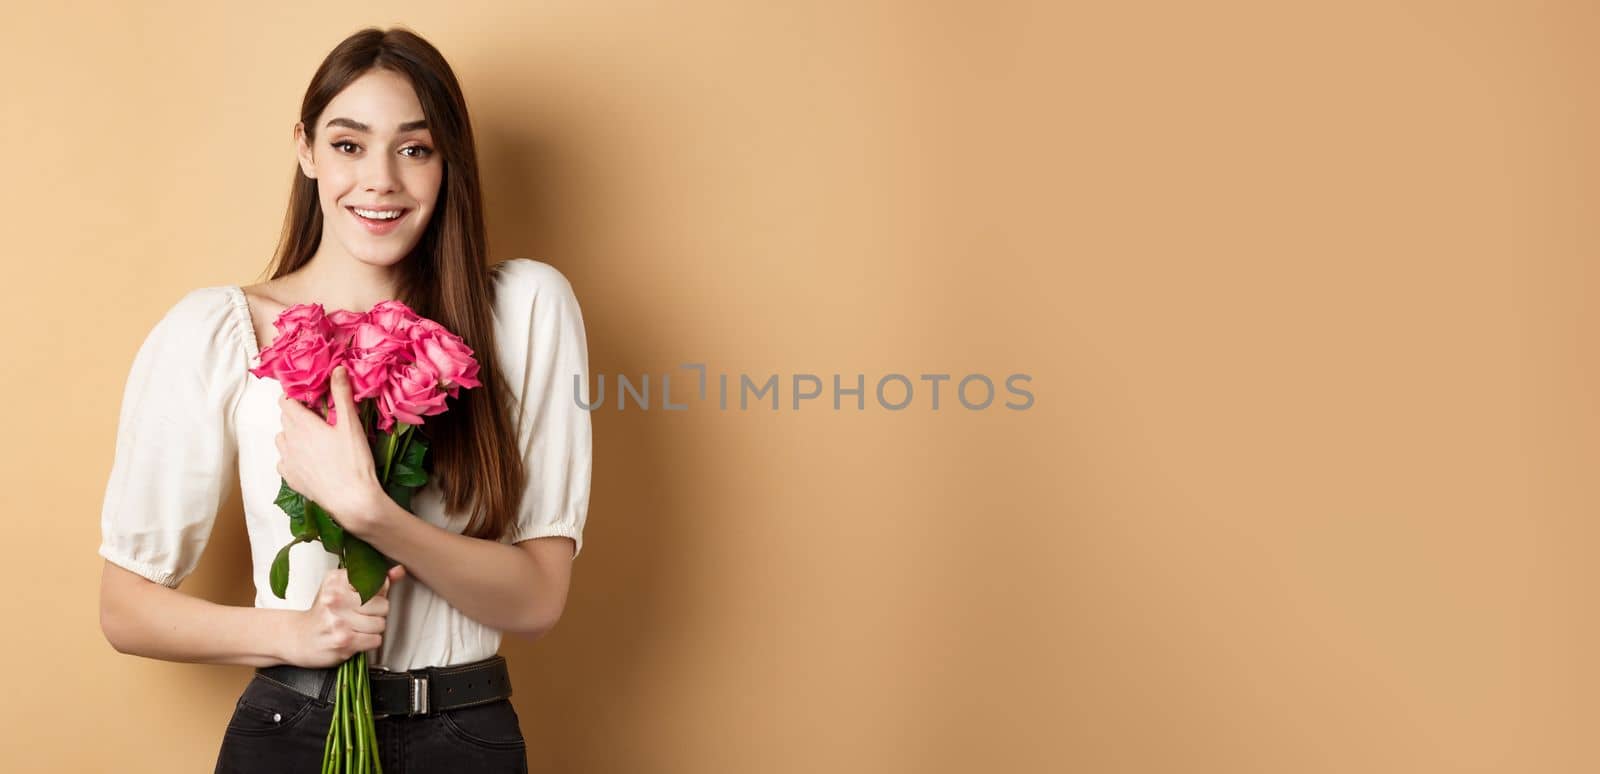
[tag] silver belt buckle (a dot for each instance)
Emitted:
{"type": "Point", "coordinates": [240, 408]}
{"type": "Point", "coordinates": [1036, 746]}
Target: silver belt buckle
{"type": "Point", "coordinates": [418, 697]}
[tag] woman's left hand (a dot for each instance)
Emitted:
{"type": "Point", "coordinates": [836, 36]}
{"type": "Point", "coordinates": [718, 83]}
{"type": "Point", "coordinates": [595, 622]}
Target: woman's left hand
{"type": "Point", "coordinates": [330, 464]}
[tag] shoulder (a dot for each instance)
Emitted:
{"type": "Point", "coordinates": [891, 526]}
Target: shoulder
{"type": "Point", "coordinates": [536, 315]}
{"type": "Point", "coordinates": [203, 325]}
{"type": "Point", "coordinates": [525, 279]}
{"type": "Point", "coordinates": [208, 305]}
{"type": "Point", "coordinates": [529, 292]}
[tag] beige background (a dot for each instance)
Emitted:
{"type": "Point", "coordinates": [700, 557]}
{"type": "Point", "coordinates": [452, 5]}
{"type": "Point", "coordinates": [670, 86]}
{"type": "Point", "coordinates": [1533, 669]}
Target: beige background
{"type": "Point", "coordinates": [1306, 295]}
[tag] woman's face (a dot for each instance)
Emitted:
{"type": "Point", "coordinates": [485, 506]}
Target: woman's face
{"type": "Point", "coordinates": [373, 157]}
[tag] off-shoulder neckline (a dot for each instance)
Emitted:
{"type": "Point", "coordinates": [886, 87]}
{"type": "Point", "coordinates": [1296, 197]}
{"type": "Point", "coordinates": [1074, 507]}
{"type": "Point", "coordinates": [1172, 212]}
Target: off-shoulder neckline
{"type": "Point", "coordinates": [247, 321]}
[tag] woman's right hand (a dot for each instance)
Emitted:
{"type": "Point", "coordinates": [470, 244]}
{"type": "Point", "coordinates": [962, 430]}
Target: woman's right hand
{"type": "Point", "coordinates": [338, 625]}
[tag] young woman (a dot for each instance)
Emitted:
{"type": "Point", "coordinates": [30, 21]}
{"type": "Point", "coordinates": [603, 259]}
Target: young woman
{"type": "Point", "coordinates": [385, 204]}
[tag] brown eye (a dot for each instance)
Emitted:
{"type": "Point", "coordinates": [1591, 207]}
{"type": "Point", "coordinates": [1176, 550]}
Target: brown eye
{"type": "Point", "coordinates": [425, 151]}
{"type": "Point", "coordinates": [342, 143]}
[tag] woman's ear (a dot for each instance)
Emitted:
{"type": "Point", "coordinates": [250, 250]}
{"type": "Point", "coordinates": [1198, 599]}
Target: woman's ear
{"type": "Point", "coordinates": [303, 151]}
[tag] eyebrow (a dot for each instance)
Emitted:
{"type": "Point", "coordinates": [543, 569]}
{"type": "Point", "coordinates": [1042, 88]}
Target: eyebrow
{"type": "Point", "coordinates": [351, 123]}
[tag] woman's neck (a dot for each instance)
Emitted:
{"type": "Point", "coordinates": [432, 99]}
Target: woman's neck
{"type": "Point", "coordinates": [339, 281]}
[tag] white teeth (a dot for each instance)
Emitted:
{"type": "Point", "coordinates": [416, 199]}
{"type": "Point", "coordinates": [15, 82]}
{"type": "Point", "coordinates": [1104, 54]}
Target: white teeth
{"type": "Point", "coordinates": [378, 214]}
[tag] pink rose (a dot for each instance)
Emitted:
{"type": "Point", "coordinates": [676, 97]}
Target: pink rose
{"type": "Point", "coordinates": [290, 321]}
{"type": "Point", "coordinates": [374, 353]}
{"type": "Point", "coordinates": [301, 362]}
{"type": "Point", "coordinates": [409, 365]}
{"type": "Point", "coordinates": [369, 371]}
{"type": "Point", "coordinates": [371, 336]}
{"type": "Point", "coordinates": [344, 323]}
{"type": "Point", "coordinates": [411, 394]}
{"type": "Point", "coordinates": [446, 355]}
{"type": "Point", "coordinates": [392, 316]}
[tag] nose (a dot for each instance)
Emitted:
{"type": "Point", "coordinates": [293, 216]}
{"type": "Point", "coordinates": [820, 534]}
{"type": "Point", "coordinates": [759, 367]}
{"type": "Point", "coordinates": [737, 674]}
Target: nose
{"type": "Point", "coordinates": [378, 173]}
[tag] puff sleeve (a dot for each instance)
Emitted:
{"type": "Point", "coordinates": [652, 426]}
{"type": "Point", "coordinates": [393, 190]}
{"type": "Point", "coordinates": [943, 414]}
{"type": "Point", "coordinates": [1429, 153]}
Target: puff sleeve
{"type": "Point", "coordinates": [544, 356]}
{"type": "Point", "coordinates": [175, 442]}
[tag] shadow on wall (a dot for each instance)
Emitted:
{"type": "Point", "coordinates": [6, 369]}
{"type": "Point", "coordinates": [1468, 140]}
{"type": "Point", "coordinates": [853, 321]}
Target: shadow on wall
{"type": "Point", "coordinates": [575, 687]}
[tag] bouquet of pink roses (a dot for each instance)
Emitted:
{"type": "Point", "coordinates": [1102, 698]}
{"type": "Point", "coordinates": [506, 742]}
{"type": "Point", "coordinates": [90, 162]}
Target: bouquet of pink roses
{"type": "Point", "coordinates": [402, 367]}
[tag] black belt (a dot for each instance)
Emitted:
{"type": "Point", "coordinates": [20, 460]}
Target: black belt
{"type": "Point", "coordinates": [417, 692]}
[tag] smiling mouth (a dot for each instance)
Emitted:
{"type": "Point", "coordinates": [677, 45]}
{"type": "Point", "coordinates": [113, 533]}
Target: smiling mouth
{"type": "Point", "coordinates": [379, 221]}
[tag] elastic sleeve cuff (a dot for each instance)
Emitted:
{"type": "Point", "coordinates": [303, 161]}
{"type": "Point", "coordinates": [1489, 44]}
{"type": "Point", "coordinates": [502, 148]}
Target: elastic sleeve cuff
{"type": "Point", "coordinates": [148, 571]}
{"type": "Point", "coordinates": [550, 530]}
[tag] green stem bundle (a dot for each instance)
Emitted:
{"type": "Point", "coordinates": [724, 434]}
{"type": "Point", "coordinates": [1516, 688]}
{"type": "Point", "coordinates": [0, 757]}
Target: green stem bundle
{"type": "Point", "coordinates": [351, 746]}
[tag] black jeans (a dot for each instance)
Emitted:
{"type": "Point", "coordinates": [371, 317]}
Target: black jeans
{"type": "Point", "coordinates": [277, 729]}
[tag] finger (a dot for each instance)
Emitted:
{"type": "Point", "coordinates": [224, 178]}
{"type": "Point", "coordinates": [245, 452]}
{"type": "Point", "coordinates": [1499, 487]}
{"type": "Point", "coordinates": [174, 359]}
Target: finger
{"type": "Point", "coordinates": [378, 605]}
{"type": "Point", "coordinates": [293, 411]}
{"type": "Point", "coordinates": [332, 593]}
{"type": "Point", "coordinates": [397, 572]}
{"type": "Point", "coordinates": [343, 402]}
{"type": "Point", "coordinates": [369, 624]}
{"type": "Point", "coordinates": [393, 576]}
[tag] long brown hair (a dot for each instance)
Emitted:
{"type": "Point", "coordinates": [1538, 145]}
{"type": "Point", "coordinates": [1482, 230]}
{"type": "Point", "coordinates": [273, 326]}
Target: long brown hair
{"type": "Point", "coordinates": [472, 446]}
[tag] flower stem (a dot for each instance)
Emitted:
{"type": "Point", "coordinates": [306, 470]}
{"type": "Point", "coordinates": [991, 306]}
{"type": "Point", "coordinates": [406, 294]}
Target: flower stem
{"type": "Point", "coordinates": [349, 738]}
{"type": "Point", "coordinates": [388, 454]}
{"type": "Point", "coordinates": [328, 746]}
{"type": "Point", "coordinates": [357, 663]}
{"type": "Point", "coordinates": [330, 753]}
{"type": "Point", "coordinates": [405, 442]}
{"type": "Point", "coordinates": [372, 724]}
{"type": "Point", "coordinates": [369, 762]}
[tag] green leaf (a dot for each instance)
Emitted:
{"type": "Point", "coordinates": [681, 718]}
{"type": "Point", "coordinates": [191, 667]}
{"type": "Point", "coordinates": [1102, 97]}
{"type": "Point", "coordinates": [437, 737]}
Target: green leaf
{"type": "Point", "coordinates": [293, 504]}
{"type": "Point", "coordinates": [332, 534]}
{"type": "Point", "coordinates": [378, 446]}
{"type": "Point", "coordinates": [400, 493]}
{"type": "Point", "coordinates": [407, 475]}
{"type": "Point", "coordinates": [416, 448]}
{"type": "Point", "coordinates": [306, 530]}
{"type": "Point", "coordinates": [285, 494]}
{"type": "Point", "coordinates": [280, 571]}
{"type": "Point", "coordinates": [365, 566]}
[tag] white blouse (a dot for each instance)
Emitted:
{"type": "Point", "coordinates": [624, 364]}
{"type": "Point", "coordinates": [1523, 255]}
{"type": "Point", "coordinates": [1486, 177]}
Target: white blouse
{"type": "Point", "coordinates": [191, 410]}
